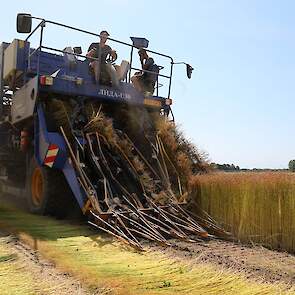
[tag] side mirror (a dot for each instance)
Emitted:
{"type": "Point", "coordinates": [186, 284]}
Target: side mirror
{"type": "Point", "coordinates": [77, 50]}
{"type": "Point", "coordinates": [189, 70]}
{"type": "Point", "coordinates": [23, 23]}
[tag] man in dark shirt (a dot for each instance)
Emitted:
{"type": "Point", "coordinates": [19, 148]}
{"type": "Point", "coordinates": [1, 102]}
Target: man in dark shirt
{"type": "Point", "coordinates": [101, 51]}
{"type": "Point", "coordinates": [145, 81]}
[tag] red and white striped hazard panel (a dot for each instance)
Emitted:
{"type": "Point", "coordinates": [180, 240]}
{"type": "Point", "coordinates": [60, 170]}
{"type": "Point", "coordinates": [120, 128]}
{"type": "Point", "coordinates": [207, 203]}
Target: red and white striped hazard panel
{"type": "Point", "coordinates": [51, 155]}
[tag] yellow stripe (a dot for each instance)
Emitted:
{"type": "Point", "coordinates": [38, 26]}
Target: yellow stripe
{"type": "Point", "coordinates": [21, 43]}
{"type": "Point", "coordinates": [152, 102]}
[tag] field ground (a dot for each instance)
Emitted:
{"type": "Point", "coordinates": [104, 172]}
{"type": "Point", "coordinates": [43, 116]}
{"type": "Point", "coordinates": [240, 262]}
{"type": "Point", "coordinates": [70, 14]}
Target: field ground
{"type": "Point", "coordinates": [24, 271]}
{"type": "Point", "coordinates": [67, 256]}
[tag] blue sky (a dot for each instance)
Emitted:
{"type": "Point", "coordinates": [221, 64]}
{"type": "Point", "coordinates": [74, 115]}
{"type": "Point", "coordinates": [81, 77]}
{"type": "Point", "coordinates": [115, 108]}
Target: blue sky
{"type": "Point", "coordinates": [239, 105]}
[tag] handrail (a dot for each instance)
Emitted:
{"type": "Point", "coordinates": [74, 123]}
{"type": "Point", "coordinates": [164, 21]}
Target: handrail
{"type": "Point", "coordinates": [42, 25]}
{"type": "Point", "coordinates": [151, 72]}
{"type": "Point", "coordinates": [71, 53]}
{"type": "Point", "coordinates": [94, 58]}
{"type": "Point", "coordinates": [1, 79]}
{"type": "Point", "coordinates": [111, 39]}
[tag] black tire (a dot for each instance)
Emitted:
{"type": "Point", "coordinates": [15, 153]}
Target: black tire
{"type": "Point", "coordinates": [47, 191]}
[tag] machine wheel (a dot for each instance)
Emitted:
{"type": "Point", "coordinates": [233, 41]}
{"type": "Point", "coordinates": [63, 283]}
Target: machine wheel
{"type": "Point", "coordinates": [47, 191]}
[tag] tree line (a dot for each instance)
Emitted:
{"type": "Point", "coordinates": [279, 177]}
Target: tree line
{"type": "Point", "coordinates": [292, 165]}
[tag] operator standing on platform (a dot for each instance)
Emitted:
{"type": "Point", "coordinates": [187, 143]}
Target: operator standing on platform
{"type": "Point", "coordinates": [101, 51]}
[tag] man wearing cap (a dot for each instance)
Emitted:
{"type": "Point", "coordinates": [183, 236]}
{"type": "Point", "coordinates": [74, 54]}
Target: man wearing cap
{"type": "Point", "coordinates": [145, 81]}
{"type": "Point", "coordinates": [101, 50]}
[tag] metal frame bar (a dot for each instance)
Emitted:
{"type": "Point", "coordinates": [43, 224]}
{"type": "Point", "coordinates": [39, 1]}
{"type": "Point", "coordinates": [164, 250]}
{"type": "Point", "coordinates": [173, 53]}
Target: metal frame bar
{"type": "Point", "coordinates": [1, 80]}
{"type": "Point", "coordinates": [40, 46]}
{"type": "Point", "coordinates": [146, 71]}
{"type": "Point", "coordinates": [131, 58]}
{"type": "Point", "coordinates": [71, 53]}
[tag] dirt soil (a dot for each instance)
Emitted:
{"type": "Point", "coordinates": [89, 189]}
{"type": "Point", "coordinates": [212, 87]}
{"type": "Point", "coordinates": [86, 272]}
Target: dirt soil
{"type": "Point", "coordinates": [255, 262]}
{"type": "Point", "coordinates": [42, 270]}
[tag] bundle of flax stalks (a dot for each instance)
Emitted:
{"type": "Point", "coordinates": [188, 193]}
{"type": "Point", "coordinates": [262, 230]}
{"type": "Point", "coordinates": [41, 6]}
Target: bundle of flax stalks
{"type": "Point", "coordinates": [135, 169]}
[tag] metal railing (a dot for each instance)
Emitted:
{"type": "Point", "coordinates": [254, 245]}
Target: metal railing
{"type": "Point", "coordinates": [1, 79]}
{"type": "Point", "coordinates": [42, 25]}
